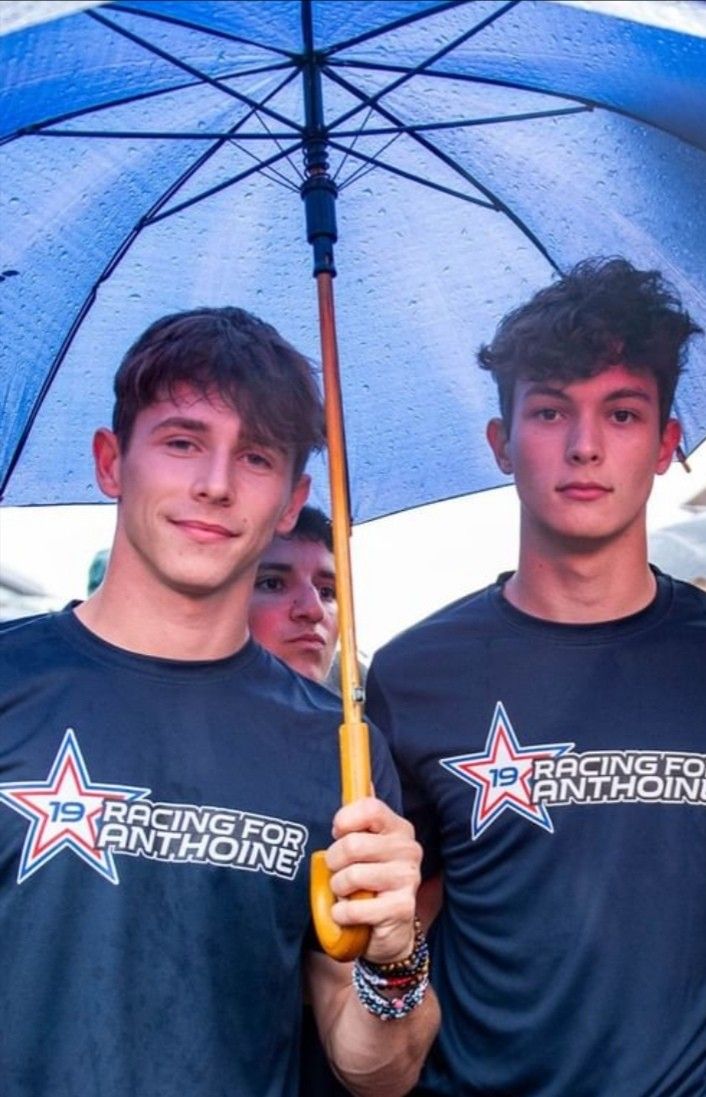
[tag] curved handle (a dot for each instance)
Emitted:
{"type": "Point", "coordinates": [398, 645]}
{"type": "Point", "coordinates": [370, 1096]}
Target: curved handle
{"type": "Point", "coordinates": [342, 942]}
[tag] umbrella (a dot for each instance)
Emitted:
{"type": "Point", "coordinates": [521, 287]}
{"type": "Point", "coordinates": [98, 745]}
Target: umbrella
{"type": "Point", "coordinates": [153, 155]}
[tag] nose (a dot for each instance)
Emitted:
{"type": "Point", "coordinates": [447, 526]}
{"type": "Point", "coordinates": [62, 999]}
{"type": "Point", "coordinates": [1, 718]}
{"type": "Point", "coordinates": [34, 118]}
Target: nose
{"type": "Point", "coordinates": [585, 442]}
{"type": "Point", "coordinates": [306, 604]}
{"type": "Point", "coordinates": [213, 481]}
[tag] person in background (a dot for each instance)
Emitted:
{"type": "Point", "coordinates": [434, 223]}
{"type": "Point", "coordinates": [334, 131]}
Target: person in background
{"type": "Point", "coordinates": [164, 779]}
{"type": "Point", "coordinates": [294, 614]}
{"type": "Point", "coordinates": [293, 610]}
{"type": "Point", "coordinates": [550, 730]}
{"type": "Point", "coordinates": [96, 570]}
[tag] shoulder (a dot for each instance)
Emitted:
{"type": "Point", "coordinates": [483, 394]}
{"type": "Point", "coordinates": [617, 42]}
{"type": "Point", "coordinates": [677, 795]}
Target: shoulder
{"type": "Point", "coordinates": [462, 621]}
{"type": "Point", "coordinates": [301, 693]}
{"type": "Point", "coordinates": [24, 634]}
{"type": "Point", "coordinates": [688, 602]}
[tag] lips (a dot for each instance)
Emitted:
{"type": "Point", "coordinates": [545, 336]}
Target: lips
{"type": "Point", "coordinates": [203, 532]}
{"type": "Point", "coordinates": [307, 639]}
{"type": "Point", "coordinates": [584, 492]}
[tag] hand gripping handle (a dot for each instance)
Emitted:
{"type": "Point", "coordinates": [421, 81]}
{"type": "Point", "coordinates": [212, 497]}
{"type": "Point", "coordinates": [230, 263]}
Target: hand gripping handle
{"type": "Point", "coordinates": [342, 942]}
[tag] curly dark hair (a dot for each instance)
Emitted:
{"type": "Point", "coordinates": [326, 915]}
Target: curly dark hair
{"type": "Point", "coordinates": [230, 352]}
{"type": "Point", "coordinates": [604, 312]}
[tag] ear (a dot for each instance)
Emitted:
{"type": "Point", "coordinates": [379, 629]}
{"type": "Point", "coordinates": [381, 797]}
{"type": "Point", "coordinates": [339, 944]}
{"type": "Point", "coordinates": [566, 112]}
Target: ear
{"type": "Point", "coordinates": [299, 496]}
{"type": "Point", "coordinates": [496, 434]}
{"type": "Point", "coordinates": [106, 455]}
{"type": "Point", "coordinates": [671, 437]}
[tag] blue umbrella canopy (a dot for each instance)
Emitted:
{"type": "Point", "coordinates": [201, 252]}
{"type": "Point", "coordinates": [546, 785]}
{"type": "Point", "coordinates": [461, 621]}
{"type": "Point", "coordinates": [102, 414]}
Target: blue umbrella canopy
{"type": "Point", "coordinates": [153, 154]}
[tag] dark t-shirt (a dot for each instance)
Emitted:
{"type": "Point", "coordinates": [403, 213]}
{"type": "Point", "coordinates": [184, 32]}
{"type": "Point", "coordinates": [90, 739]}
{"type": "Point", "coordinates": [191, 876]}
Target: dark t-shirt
{"type": "Point", "coordinates": [557, 773]}
{"type": "Point", "coordinates": [156, 822]}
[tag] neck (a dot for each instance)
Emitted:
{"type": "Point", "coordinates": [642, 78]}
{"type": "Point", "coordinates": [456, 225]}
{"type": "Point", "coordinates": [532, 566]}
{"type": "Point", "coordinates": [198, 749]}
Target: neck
{"type": "Point", "coordinates": [169, 624]}
{"type": "Point", "coordinates": [582, 584]}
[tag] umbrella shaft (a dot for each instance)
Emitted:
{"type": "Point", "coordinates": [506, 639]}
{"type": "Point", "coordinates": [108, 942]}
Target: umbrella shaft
{"type": "Point", "coordinates": [340, 516]}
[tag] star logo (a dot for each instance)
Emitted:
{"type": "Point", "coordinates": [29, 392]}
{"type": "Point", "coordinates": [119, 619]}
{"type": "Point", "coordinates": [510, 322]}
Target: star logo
{"type": "Point", "coordinates": [502, 775]}
{"type": "Point", "coordinates": [64, 812]}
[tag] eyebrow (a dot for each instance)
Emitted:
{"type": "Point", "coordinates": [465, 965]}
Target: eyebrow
{"type": "Point", "coordinates": [285, 569]}
{"type": "Point", "coordinates": [630, 394]}
{"type": "Point", "coordinates": [182, 423]}
{"type": "Point", "coordinates": [198, 426]}
{"type": "Point", "coordinates": [540, 389]}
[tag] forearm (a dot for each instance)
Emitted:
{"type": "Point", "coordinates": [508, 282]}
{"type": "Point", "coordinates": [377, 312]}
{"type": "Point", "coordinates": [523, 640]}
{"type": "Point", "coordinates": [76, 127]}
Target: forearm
{"type": "Point", "coordinates": [380, 1058]}
{"type": "Point", "coordinates": [377, 1018]}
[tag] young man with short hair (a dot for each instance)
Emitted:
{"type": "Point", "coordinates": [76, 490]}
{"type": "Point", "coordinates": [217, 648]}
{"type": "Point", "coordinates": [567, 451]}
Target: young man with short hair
{"type": "Point", "coordinates": [293, 609]}
{"type": "Point", "coordinates": [551, 729]}
{"type": "Point", "coordinates": [163, 779]}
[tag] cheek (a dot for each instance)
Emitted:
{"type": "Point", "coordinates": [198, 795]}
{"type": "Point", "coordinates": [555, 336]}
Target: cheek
{"type": "Point", "coordinates": [267, 619]}
{"type": "Point", "coordinates": [259, 619]}
{"type": "Point", "coordinates": [332, 625]}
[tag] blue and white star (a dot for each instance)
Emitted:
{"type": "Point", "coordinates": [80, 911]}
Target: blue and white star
{"type": "Point", "coordinates": [502, 775]}
{"type": "Point", "coordinates": [64, 812]}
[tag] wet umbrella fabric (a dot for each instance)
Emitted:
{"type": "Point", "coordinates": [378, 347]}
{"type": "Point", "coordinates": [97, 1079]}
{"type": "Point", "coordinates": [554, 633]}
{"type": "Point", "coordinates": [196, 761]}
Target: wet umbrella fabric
{"type": "Point", "coordinates": [152, 159]}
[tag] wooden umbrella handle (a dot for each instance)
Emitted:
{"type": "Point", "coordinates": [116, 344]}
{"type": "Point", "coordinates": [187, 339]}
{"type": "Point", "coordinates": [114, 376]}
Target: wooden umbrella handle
{"type": "Point", "coordinates": [341, 942]}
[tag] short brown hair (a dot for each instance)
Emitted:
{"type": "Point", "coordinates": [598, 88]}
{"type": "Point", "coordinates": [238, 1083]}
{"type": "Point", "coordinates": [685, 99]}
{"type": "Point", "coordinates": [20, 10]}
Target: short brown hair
{"type": "Point", "coordinates": [230, 352]}
{"type": "Point", "coordinates": [604, 312]}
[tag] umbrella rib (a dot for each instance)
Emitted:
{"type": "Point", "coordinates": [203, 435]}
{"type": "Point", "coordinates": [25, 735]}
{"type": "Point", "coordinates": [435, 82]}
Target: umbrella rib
{"type": "Point", "coordinates": [466, 123]}
{"type": "Point", "coordinates": [375, 163]}
{"type": "Point", "coordinates": [212, 31]}
{"type": "Point", "coordinates": [403, 21]}
{"type": "Point", "coordinates": [152, 135]}
{"type": "Point", "coordinates": [424, 65]}
{"type": "Point", "coordinates": [157, 135]}
{"type": "Point", "coordinates": [153, 219]}
{"type": "Point", "coordinates": [355, 135]}
{"type": "Point", "coordinates": [124, 246]}
{"type": "Point", "coordinates": [232, 38]}
{"type": "Point", "coordinates": [37, 127]}
{"type": "Point", "coordinates": [364, 169]}
{"type": "Point", "coordinates": [497, 202]}
{"type": "Point", "coordinates": [192, 71]}
{"type": "Point", "coordinates": [516, 85]}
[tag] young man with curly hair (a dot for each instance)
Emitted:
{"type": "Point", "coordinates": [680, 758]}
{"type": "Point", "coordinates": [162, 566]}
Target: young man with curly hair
{"type": "Point", "coordinates": [551, 729]}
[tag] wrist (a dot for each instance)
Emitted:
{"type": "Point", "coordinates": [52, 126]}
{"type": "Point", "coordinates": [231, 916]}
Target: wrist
{"type": "Point", "coordinates": [393, 989]}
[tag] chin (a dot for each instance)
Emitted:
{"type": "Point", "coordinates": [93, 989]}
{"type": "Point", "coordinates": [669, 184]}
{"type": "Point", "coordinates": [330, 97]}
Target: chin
{"type": "Point", "coordinates": [196, 586]}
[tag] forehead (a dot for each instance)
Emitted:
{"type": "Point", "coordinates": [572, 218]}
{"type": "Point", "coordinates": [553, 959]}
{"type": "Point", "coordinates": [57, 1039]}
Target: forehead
{"type": "Point", "coordinates": [303, 557]}
{"type": "Point", "coordinates": [209, 411]}
{"type": "Point", "coordinates": [613, 383]}
{"type": "Point", "coordinates": [185, 399]}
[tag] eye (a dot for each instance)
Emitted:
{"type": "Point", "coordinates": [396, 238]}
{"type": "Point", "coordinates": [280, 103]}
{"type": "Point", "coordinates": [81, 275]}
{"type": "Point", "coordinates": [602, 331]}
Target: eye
{"type": "Point", "coordinates": [181, 445]}
{"type": "Point", "coordinates": [547, 415]}
{"type": "Point", "coordinates": [327, 594]}
{"type": "Point", "coordinates": [624, 415]}
{"type": "Point", "coordinates": [270, 583]}
{"type": "Point", "coordinates": [257, 460]}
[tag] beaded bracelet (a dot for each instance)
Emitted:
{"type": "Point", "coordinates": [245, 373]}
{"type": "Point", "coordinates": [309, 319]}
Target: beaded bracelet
{"type": "Point", "coordinates": [409, 978]}
{"type": "Point", "coordinates": [387, 1009]}
{"type": "Point", "coordinates": [411, 967]}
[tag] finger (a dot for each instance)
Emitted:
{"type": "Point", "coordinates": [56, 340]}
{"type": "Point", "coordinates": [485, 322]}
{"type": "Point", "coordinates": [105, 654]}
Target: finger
{"type": "Point", "coordinates": [396, 876]}
{"type": "Point", "coordinates": [391, 912]}
{"type": "Point", "coordinates": [369, 814]}
{"type": "Point", "coordinates": [364, 846]}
